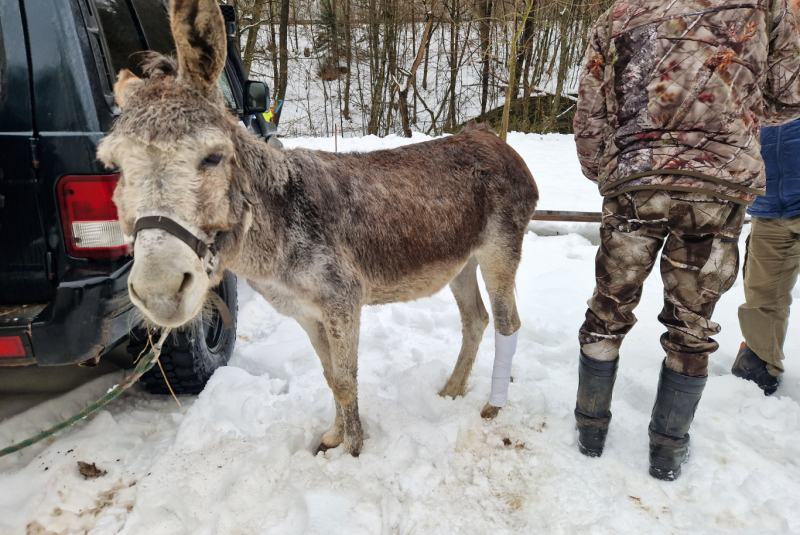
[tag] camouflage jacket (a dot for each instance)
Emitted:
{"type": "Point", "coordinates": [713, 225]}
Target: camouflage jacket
{"type": "Point", "coordinates": [673, 93]}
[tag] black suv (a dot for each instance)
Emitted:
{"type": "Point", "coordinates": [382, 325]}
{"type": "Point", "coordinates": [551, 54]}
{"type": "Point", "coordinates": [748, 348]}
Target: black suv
{"type": "Point", "coordinates": [64, 263]}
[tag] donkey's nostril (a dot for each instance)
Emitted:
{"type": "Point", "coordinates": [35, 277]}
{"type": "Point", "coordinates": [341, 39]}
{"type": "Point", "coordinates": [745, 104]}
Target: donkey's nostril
{"type": "Point", "coordinates": [187, 281]}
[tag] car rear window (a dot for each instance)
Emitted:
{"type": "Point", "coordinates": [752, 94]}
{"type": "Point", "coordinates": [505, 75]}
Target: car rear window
{"type": "Point", "coordinates": [130, 26]}
{"type": "Point", "coordinates": [153, 17]}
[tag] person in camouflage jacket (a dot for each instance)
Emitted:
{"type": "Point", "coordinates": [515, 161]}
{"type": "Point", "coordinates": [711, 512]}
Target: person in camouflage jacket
{"type": "Point", "coordinates": [672, 96]}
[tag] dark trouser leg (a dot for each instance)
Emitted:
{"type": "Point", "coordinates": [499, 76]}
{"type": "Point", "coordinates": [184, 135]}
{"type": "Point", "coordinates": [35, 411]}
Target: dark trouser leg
{"type": "Point", "coordinates": [626, 257]}
{"type": "Point", "coordinates": [697, 270]}
{"type": "Point", "coordinates": [623, 262]}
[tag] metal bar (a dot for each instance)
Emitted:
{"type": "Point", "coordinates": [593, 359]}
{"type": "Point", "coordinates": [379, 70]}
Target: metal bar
{"type": "Point", "coordinates": [557, 215]}
{"type": "Point", "coordinates": [576, 217]}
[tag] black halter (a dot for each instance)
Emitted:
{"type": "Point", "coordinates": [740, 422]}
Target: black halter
{"type": "Point", "coordinates": [201, 249]}
{"type": "Point", "coordinates": [179, 231]}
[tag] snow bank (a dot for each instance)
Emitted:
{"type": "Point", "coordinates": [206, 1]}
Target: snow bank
{"type": "Point", "coordinates": [238, 459]}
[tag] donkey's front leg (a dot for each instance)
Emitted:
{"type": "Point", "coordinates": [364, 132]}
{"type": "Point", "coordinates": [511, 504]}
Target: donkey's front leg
{"type": "Point", "coordinates": [342, 328]}
{"type": "Point", "coordinates": [319, 339]}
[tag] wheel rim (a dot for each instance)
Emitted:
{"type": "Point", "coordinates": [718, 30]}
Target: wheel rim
{"type": "Point", "coordinates": [214, 330]}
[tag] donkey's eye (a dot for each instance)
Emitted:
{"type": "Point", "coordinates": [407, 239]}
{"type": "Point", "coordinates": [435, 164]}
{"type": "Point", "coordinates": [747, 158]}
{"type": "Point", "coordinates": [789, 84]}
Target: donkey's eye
{"type": "Point", "coordinates": [212, 160]}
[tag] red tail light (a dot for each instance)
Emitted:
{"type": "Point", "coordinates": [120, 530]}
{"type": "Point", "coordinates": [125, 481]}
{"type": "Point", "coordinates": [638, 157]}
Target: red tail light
{"type": "Point", "coordinates": [89, 216]}
{"type": "Point", "coordinates": [11, 346]}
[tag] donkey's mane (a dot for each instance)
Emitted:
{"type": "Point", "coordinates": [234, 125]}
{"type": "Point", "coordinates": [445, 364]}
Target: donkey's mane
{"type": "Point", "coordinates": [162, 109]}
{"type": "Point", "coordinates": [155, 64]}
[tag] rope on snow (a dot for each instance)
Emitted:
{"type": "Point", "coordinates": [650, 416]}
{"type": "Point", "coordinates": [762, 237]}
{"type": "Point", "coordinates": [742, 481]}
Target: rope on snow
{"type": "Point", "coordinates": [145, 363]}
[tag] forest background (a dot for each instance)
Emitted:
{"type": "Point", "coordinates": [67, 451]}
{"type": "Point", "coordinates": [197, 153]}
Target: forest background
{"type": "Point", "coordinates": [381, 67]}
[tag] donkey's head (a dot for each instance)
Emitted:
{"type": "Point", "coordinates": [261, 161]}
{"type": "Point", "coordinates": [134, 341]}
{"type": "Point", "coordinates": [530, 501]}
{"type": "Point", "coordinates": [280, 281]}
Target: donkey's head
{"type": "Point", "coordinates": [181, 194]}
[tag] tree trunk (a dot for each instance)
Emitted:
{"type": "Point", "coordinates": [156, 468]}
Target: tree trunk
{"type": "Point", "coordinates": [273, 44]}
{"type": "Point", "coordinates": [348, 54]}
{"type": "Point", "coordinates": [335, 44]}
{"type": "Point", "coordinates": [403, 93]}
{"type": "Point", "coordinates": [485, 8]}
{"type": "Point", "coordinates": [527, 37]}
{"type": "Point", "coordinates": [283, 57]}
{"type": "Point", "coordinates": [512, 66]}
{"type": "Point", "coordinates": [526, 86]}
{"type": "Point", "coordinates": [452, 63]}
{"type": "Point", "coordinates": [252, 34]}
{"type": "Point", "coordinates": [378, 63]}
{"type": "Point", "coordinates": [427, 58]}
{"type": "Point", "coordinates": [390, 31]}
{"type": "Point", "coordinates": [563, 70]}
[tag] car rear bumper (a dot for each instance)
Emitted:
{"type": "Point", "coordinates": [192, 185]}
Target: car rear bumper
{"type": "Point", "coordinates": [87, 318]}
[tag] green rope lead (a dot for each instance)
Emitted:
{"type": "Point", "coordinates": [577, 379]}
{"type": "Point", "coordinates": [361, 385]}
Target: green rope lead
{"type": "Point", "coordinates": [145, 363]}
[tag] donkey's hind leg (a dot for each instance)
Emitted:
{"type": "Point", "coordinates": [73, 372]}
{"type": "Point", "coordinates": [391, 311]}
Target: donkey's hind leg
{"type": "Point", "coordinates": [319, 339]}
{"type": "Point", "coordinates": [474, 320]}
{"type": "Point", "coordinates": [499, 262]}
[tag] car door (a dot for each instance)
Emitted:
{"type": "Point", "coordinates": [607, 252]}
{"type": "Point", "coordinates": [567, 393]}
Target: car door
{"type": "Point", "coordinates": [24, 254]}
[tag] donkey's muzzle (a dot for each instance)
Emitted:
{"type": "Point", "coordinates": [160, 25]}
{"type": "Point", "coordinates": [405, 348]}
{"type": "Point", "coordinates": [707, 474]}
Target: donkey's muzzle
{"type": "Point", "coordinates": [204, 245]}
{"type": "Point", "coordinates": [168, 281]}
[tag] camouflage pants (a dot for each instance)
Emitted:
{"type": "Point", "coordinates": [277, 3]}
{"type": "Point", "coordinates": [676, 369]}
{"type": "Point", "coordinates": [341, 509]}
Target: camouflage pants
{"type": "Point", "coordinates": [699, 263]}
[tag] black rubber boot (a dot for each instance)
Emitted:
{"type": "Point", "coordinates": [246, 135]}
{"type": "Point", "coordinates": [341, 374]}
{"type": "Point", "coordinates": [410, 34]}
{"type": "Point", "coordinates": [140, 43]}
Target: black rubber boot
{"type": "Point", "coordinates": [595, 386]}
{"type": "Point", "coordinates": [673, 412]}
{"type": "Point", "coordinates": [750, 367]}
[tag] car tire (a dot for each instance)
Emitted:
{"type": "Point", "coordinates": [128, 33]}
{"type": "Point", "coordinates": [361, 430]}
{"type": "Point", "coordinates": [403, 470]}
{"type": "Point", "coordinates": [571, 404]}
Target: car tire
{"type": "Point", "coordinates": [191, 355]}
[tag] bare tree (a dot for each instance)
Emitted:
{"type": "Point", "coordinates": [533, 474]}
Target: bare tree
{"type": "Point", "coordinates": [485, 25]}
{"type": "Point", "coordinates": [283, 74]}
{"type": "Point", "coordinates": [513, 63]}
{"type": "Point", "coordinates": [348, 51]}
{"type": "Point", "coordinates": [256, 20]}
{"type": "Point", "coordinates": [410, 81]}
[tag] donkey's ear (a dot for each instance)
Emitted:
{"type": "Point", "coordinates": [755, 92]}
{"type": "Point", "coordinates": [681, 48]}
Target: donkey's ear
{"type": "Point", "coordinates": [199, 32]}
{"type": "Point", "coordinates": [126, 83]}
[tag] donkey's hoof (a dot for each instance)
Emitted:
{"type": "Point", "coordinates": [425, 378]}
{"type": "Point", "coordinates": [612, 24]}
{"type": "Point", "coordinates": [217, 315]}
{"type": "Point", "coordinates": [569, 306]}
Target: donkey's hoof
{"type": "Point", "coordinates": [490, 411]}
{"type": "Point", "coordinates": [332, 438]}
{"type": "Point", "coordinates": [323, 448]}
{"type": "Point", "coordinates": [451, 391]}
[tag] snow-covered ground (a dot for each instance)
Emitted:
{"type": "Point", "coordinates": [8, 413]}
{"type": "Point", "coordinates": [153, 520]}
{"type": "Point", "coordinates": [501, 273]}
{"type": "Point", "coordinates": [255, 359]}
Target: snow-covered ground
{"type": "Point", "coordinates": [238, 459]}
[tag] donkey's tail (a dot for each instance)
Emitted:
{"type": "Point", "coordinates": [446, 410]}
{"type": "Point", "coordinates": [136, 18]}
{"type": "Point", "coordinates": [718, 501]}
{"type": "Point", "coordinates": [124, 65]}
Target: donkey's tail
{"type": "Point", "coordinates": [474, 125]}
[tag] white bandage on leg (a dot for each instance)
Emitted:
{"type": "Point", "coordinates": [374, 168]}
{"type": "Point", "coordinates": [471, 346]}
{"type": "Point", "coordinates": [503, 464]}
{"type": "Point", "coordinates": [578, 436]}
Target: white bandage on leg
{"type": "Point", "coordinates": [504, 349]}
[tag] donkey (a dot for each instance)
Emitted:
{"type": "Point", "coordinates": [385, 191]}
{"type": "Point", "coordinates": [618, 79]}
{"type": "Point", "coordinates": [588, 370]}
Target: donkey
{"type": "Point", "coordinates": [318, 235]}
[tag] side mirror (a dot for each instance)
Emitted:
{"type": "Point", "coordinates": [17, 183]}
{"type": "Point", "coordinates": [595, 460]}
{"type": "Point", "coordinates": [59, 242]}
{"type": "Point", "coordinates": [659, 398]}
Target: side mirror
{"type": "Point", "coordinates": [256, 96]}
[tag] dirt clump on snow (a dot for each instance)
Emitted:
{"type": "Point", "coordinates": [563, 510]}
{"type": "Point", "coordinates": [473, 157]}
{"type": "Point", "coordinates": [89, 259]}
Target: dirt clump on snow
{"type": "Point", "coordinates": [90, 471]}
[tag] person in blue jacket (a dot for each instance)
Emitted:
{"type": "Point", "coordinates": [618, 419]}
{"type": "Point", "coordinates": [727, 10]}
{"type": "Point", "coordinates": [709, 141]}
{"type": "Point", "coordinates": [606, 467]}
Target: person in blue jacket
{"type": "Point", "coordinates": [772, 261]}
